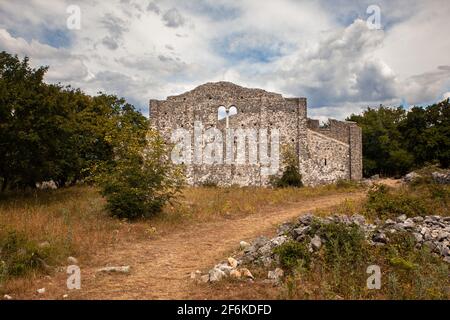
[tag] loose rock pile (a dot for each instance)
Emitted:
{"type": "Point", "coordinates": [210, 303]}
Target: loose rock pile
{"type": "Point", "coordinates": [430, 231]}
{"type": "Point", "coordinates": [437, 177]}
{"type": "Point", "coordinates": [441, 178]}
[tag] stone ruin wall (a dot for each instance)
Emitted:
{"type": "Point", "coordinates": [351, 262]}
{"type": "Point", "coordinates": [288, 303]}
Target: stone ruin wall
{"type": "Point", "coordinates": [261, 109]}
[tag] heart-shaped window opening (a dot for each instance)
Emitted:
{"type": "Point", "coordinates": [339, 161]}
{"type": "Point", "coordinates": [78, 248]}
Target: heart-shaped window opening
{"type": "Point", "coordinates": [223, 112]}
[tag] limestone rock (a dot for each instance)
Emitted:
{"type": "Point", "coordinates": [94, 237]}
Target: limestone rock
{"type": "Point", "coordinates": [41, 291]}
{"type": "Point", "coordinates": [123, 269]}
{"type": "Point", "coordinates": [216, 274]}
{"type": "Point", "coordinates": [316, 243]}
{"type": "Point", "coordinates": [196, 275]}
{"type": "Point", "coordinates": [72, 261]}
{"type": "Point", "coordinates": [380, 237]}
{"type": "Point", "coordinates": [246, 273]}
{"type": "Point", "coordinates": [244, 245]}
{"type": "Point", "coordinates": [275, 275]}
{"type": "Point", "coordinates": [284, 228]}
{"type": "Point", "coordinates": [232, 262]}
{"type": "Point", "coordinates": [410, 177]}
{"type": "Point", "coordinates": [306, 219]}
{"type": "Point", "coordinates": [441, 178]}
{"type": "Point", "coordinates": [235, 274]}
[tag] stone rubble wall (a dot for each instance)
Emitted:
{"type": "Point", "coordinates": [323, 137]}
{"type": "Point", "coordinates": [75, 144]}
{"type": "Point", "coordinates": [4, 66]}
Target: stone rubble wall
{"type": "Point", "coordinates": [430, 231]}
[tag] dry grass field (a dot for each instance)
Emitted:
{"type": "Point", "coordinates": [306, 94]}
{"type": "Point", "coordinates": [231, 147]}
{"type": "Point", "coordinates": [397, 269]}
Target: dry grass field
{"type": "Point", "coordinates": [43, 228]}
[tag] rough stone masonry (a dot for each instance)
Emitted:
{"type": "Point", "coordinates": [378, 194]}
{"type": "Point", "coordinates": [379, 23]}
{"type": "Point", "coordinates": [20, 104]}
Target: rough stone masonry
{"type": "Point", "coordinates": [326, 154]}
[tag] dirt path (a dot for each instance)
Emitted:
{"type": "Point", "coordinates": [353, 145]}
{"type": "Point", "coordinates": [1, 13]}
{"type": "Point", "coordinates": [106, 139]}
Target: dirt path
{"type": "Point", "coordinates": [161, 267]}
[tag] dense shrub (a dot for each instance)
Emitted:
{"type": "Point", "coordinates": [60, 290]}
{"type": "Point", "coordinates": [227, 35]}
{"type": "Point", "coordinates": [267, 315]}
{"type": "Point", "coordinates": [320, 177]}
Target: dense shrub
{"type": "Point", "coordinates": [293, 254]}
{"type": "Point", "coordinates": [19, 256]}
{"type": "Point", "coordinates": [344, 245]}
{"type": "Point", "coordinates": [142, 177]}
{"type": "Point", "coordinates": [291, 176]}
{"type": "Point", "coordinates": [383, 202]}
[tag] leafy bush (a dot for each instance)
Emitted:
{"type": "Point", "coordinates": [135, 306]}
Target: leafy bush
{"type": "Point", "coordinates": [383, 202]}
{"type": "Point", "coordinates": [142, 178]}
{"type": "Point", "coordinates": [344, 244]}
{"type": "Point", "coordinates": [18, 255]}
{"type": "Point", "coordinates": [293, 254]}
{"type": "Point", "coordinates": [291, 176]}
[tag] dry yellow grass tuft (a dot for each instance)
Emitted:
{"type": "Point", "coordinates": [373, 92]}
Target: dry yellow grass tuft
{"type": "Point", "coordinates": [70, 220]}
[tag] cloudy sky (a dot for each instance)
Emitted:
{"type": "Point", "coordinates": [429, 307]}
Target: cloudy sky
{"type": "Point", "coordinates": [324, 50]}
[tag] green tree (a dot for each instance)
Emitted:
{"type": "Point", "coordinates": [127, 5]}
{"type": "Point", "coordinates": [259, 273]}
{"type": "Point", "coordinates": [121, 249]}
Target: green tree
{"type": "Point", "coordinates": [396, 141]}
{"type": "Point", "coordinates": [291, 176]}
{"type": "Point", "coordinates": [383, 150]}
{"type": "Point", "coordinates": [141, 178]}
{"type": "Point", "coordinates": [50, 132]}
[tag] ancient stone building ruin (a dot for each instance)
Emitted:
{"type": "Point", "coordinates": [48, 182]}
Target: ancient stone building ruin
{"type": "Point", "coordinates": [325, 154]}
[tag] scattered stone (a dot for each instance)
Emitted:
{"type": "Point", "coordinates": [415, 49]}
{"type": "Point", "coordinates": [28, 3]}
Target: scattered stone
{"type": "Point", "coordinates": [278, 241]}
{"type": "Point", "coordinates": [358, 219]}
{"type": "Point", "coordinates": [204, 278]}
{"type": "Point", "coordinates": [72, 261]}
{"type": "Point", "coordinates": [41, 291]}
{"type": "Point", "coordinates": [401, 218]}
{"type": "Point", "coordinates": [244, 245]}
{"type": "Point", "coordinates": [266, 249]}
{"type": "Point", "coordinates": [441, 178]}
{"type": "Point", "coordinates": [418, 237]}
{"type": "Point", "coordinates": [375, 177]}
{"type": "Point", "coordinates": [196, 275]}
{"type": "Point", "coordinates": [409, 224]}
{"type": "Point", "coordinates": [7, 297]}
{"type": "Point", "coordinates": [284, 228]}
{"type": "Point", "coordinates": [233, 262]}
{"type": "Point", "coordinates": [410, 177]}
{"type": "Point", "coordinates": [258, 243]}
{"type": "Point", "coordinates": [47, 185]}
{"type": "Point", "coordinates": [236, 274]}
{"type": "Point", "coordinates": [299, 234]}
{"type": "Point", "coordinates": [316, 243]}
{"type": "Point", "coordinates": [224, 267]}
{"type": "Point", "coordinates": [65, 296]}
{"type": "Point", "coordinates": [123, 269]}
{"type": "Point", "coordinates": [306, 219]}
{"type": "Point", "coordinates": [380, 237]}
{"type": "Point", "coordinates": [276, 275]}
{"type": "Point", "coordinates": [216, 275]}
{"type": "Point", "coordinates": [246, 273]}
